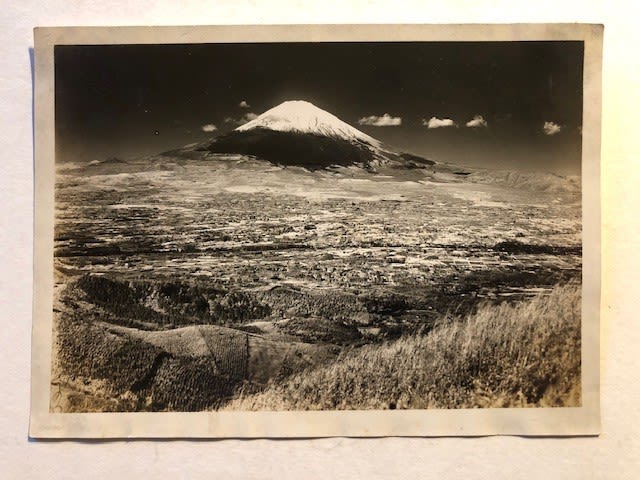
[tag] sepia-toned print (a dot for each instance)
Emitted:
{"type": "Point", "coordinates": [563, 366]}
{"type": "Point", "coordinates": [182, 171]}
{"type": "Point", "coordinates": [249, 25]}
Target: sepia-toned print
{"type": "Point", "coordinates": [318, 226]}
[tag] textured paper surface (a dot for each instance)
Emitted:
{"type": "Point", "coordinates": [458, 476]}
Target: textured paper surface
{"type": "Point", "coordinates": [532, 421]}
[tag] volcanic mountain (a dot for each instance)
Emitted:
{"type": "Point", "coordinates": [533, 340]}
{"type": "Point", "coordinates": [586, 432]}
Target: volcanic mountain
{"type": "Point", "coordinates": [297, 133]}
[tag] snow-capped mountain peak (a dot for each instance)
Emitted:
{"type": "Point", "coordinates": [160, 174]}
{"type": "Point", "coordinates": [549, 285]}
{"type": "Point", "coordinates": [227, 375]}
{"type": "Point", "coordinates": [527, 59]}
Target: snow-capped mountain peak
{"type": "Point", "coordinates": [304, 117]}
{"type": "Point", "coordinates": [297, 133]}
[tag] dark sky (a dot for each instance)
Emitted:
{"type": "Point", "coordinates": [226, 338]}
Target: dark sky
{"type": "Point", "coordinates": [132, 100]}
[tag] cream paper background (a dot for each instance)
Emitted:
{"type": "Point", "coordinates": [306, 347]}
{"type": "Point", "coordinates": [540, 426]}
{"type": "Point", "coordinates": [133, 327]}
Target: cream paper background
{"type": "Point", "coordinates": [615, 454]}
{"type": "Point", "coordinates": [529, 421]}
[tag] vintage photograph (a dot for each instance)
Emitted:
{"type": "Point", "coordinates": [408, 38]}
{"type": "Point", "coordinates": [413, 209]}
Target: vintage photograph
{"type": "Point", "coordinates": [317, 226]}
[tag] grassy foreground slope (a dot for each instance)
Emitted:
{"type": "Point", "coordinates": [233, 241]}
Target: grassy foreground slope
{"type": "Point", "coordinates": [520, 355]}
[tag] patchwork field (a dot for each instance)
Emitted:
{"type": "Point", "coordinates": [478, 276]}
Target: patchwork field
{"type": "Point", "coordinates": [219, 281]}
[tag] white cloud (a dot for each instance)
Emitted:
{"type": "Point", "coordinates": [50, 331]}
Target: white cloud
{"type": "Point", "coordinates": [385, 120]}
{"type": "Point", "coordinates": [551, 128]}
{"type": "Point", "coordinates": [434, 122]}
{"type": "Point", "coordinates": [244, 104]}
{"type": "Point", "coordinates": [209, 127]}
{"type": "Point", "coordinates": [247, 117]}
{"type": "Point", "coordinates": [476, 122]}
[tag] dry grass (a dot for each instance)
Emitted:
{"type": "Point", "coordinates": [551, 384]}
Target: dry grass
{"type": "Point", "coordinates": [520, 355]}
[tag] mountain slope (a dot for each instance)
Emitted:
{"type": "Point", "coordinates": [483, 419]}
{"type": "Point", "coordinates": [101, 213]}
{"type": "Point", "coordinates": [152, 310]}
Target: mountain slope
{"type": "Point", "coordinates": [297, 133]}
{"type": "Point", "coordinates": [299, 116]}
{"type": "Point", "coordinates": [294, 149]}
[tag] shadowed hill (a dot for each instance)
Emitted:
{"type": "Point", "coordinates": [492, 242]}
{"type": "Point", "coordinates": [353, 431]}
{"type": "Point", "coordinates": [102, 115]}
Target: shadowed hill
{"type": "Point", "coordinates": [293, 149]}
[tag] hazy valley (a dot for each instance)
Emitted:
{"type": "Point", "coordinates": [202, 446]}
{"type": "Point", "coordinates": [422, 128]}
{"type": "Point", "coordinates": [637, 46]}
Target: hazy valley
{"type": "Point", "coordinates": [294, 266]}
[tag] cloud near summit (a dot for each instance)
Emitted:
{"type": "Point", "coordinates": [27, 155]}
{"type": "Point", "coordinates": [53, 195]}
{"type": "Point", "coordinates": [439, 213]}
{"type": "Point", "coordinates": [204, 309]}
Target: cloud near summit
{"type": "Point", "coordinates": [209, 127]}
{"type": "Point", "coordinates": [435, 122]}
{"type": "Point", "coordinates": [247, 117]}
{"type": "Point", "coordinates": [476, 122]}
{"type": "Point", "coordinates": [385, 120]}
{"type": "Point", "coordinates": [244, 104]}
